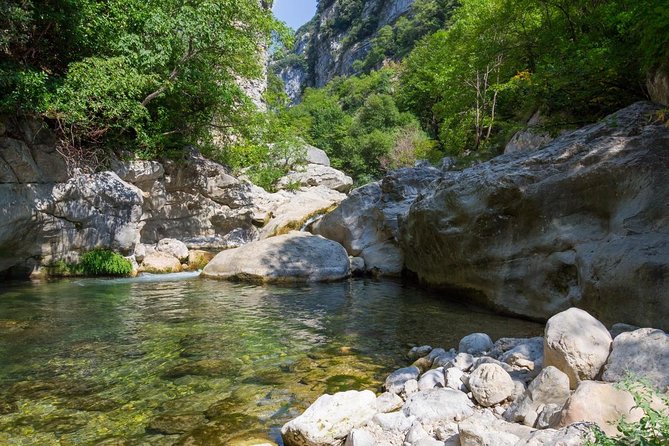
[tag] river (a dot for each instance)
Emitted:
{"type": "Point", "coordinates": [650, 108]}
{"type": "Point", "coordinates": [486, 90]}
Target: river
{"type": "Point", "coordinates": [177, 360]}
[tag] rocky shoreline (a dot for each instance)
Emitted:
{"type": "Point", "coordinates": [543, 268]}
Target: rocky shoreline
{"type": "Point", "coordinates": [544, 391]}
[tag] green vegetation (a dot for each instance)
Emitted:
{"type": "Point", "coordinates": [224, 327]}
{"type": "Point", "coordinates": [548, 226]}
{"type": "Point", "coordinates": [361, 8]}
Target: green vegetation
{"type": "Point", "coordinates": [102, 262]}
{"type": "Point", "coordinates": [146, 75]}
{"type": "Point", "coordinates": [651, 430]}
{"type": "Point", "coordinates": [99, 262]}
{"type": "Point", "coordinates": [475, 71]}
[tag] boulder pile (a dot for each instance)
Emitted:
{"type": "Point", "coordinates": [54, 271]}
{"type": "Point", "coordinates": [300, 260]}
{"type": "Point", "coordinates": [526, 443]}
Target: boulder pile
{"type": "Point", "coordinates": [550, 390]}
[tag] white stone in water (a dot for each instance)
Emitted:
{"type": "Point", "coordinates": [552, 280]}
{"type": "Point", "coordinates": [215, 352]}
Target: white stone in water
{"type": "Point", "coordinates": [475, 344]}
{"type": "Point", "coordinates": [173, 247]}
{"type": "Point", "coordinates": [419, 352]}
{"type": "Point", "coordinates": [490, 384]}
{"type": "Point", "coordinates": [388, 402]}
{"type": "Point", "coordinates": [431, 379]}
{"type": "Point", "coordinates": [330, 419]}
{"type": "Point", "coordinates": [396, 380]}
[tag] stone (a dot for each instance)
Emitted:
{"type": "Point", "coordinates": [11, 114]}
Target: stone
{"type": "Point", "coordinates": [360, 437]}
{"type": "Point", "coordinates": [174, 248]}
{"type": "Point", "coordinates": [395, 381]}
{"type": "Point", "coordinates": [600, 403]}
{"type": "Point", "coordinates": [388, 402]}
{"type": "Point", "coordinates": [475, 344]}
{"type": "Point", "coordinates": [293, 257]}
{"type": "Point", "coordinates": [528, 354]}
{"type": "Point", "coordinates": [462, 361]}
{"type": "Point", "coordinates": [415, 433]}
{"type": "Point", "coordinates": [454, 379]}
{"type": "Point", "coordinates": [160, 263]}
{"type": "Point", "coordinates": [577, 344]}
{"type": "Point", "coordinates": [175, 424]}
{"type": "Point", "coordinates": [419, 352]}
{"type": "Point", "coordinates": [410, 387]}
{"type": "Point", "coordinates": [395, 421]}
{"type": "Point", "coordinates": [432, 379]}
{"type": "Point", "coordinates": [296, 209]}
{"type": "Point", "coordinates": [551, 386]}
{"type": "Point", "coordinates": [330, 419]}
{"type": "Point", "coordinates": [535, 233]}
{"type": "Point", "coordinates": [357, 265]}
{"type": "Point", "coordinates": [313, 175]}
{"type": "Point", "coordinates": [643, 353]}
{"type": "Point", "coordinates": [317, 156]}
{"type": "Point", "coordinates": [484, 429]}
{"type": "Point", "coordinates": [438, 405]}
{"type": "Point", "coordinates": [490, 384]}
{"type": "Point", "coordinates": [424, 364]}
{"type": "Point", "coordinates": [198, 259]}
{"type": "Point", "coordinates": [549, 416]}
{"type": "Point", "coordinates": [428, 441]}
{"type": "Point", "coordinates": [531, 138]}
{"type": "Point", "coordinates": [383, 259]}
{"type": "Point", "coordinates": [577, 434]}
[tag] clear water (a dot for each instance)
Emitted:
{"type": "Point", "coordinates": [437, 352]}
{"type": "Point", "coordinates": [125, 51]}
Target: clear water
{"type": "Point", "coordinates": [183, 361]}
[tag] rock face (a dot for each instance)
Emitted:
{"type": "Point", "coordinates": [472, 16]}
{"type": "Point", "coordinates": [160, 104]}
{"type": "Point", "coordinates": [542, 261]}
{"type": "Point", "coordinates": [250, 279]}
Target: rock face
{"type": "Point", "coordinates": [333, 52]}
{"type": "Point", "coordinates": [577, 344]}
{"type": "Point", "coordinates": [293, 257]}
{"type": "Point", "coordinates": [532, 138]}
{"type": "Point", "coordinates": [584, 220]}
{"type": "Point", "coordinates": [195, 202]}
{"type": "Point", "coordinates": [330, 419]}
{"type": "Point", "coordinates": [644, 353]}
{"type": "Point", "coordinates": [600, 403]}
{"type": "Point", "coordinates": [313, 175]}
{"type": "Point", "coordinates": [367, 222]}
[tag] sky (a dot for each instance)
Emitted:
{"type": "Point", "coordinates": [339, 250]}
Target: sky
{"type": "Point", "coordinates": [294, 12]}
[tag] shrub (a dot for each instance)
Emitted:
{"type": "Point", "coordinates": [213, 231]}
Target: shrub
{"type": "Point", "coordinates": [102, 262]}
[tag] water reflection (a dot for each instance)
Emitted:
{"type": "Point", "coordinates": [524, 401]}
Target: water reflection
{"type": "Point", "coordinates": [162, 361]}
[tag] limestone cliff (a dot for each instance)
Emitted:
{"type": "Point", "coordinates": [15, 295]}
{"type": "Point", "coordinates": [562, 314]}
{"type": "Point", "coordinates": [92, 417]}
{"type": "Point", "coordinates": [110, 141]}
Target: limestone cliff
{"type": "Point", "coordinates": [340, 34]}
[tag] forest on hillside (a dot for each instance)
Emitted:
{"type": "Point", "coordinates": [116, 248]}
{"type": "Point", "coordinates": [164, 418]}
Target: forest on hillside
{"type": "Point", "coordinates": [148, 78]}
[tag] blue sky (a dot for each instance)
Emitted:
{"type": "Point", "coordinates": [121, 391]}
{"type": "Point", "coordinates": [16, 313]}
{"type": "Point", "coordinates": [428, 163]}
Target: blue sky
{"type": "Point", "coordinates": [294, 12]}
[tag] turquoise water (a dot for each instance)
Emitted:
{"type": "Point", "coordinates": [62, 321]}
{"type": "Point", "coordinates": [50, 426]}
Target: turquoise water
{"type": "Point", "coordinates": [178, 360]}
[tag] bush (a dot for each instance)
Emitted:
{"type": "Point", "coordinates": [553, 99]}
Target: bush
{"type": "Point", "coordinates": [102, 262]}
{"type": "Point", "coordinates": [651, 430]}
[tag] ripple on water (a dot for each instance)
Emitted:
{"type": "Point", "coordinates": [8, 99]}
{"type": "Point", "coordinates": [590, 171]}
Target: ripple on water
{"type": "Point", "coordinates": [175, 360]}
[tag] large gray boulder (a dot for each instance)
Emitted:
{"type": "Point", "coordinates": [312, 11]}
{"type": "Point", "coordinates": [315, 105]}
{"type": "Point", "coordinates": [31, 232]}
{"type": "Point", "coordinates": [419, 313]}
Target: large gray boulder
{"type": "Point", "coordinates": [582, 220]}
{"type": "Point", "coordinates": [484, 429]}
{"type": "Point", "coordinates": [313, 175]}
{"type": "Point", "coordinates": [293, 257]}
{"type": "Point", "coordinates": [643, 353]}
{"type": "Point", "coordinates": [330, 419]}
{"type": "Point", "coordinates": [367, 222]}
{"type": "Point", "coordinates": [577, 344]}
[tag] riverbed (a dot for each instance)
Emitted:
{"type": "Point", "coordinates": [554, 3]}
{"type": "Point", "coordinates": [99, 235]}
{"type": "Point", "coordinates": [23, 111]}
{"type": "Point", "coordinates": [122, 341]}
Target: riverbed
{"type": "Point", "coordinates": [178, 360]}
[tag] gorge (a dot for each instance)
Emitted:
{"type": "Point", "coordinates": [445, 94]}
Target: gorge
{"type": "Point", "coordinates": [394, 179]}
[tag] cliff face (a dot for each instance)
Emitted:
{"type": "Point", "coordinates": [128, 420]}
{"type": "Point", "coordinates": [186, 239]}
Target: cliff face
{"type": "Point", "coordinates": [340, 34]}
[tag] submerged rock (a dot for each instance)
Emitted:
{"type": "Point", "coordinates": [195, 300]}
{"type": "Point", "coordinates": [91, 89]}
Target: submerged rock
{"type": "Point", "coordinates": [293, 257]}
